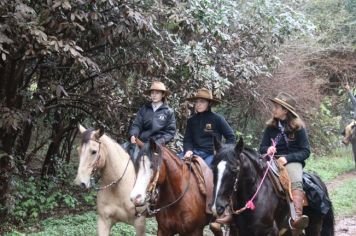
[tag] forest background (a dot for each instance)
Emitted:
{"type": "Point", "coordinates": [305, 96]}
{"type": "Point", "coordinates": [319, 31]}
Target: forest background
{"type": "Point", "coordinates": [65, 62]}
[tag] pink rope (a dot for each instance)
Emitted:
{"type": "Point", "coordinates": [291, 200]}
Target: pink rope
{"type": "Point", "coordinates": [249, 204]}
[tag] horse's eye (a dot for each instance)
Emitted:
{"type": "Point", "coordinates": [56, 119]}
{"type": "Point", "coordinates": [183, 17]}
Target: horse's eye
{"type": "Point", "coordinates": [93, 152]}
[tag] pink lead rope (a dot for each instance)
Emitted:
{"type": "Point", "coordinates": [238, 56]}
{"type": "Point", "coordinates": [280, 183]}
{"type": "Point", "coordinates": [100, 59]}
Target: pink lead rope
{"type": "Point", "coordinates": [249, 204]}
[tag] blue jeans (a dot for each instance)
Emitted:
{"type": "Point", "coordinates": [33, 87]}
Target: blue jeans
{"type": "Point", "coordinates": [207, 157]}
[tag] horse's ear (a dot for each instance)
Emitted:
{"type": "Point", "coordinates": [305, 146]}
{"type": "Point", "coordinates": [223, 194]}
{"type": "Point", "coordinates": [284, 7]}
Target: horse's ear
{"type": "Point", "coordinates": [239, 146]}
{"type": "Point", "coordinates": [139, 143]}
{"type": "Point", "coordinates": [217, 144]}
{"type": "Point", "coordinates": [154, 146]}
{"type": "Point", "coordinates": [81, 128]}
{"type": "Point", "coordinates": [99, 132]}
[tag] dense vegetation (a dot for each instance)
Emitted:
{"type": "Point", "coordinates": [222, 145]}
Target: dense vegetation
{"type": "Point", "coordinates": [69, 61]}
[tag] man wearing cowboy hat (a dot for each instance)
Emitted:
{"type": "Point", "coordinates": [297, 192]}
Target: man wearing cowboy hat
{"type": "Point", "coordinates": [203, 126]}
{"type": "Point", "coordinates": [292, 148]}
{"type": "Point", "coordinates": [156, 119]}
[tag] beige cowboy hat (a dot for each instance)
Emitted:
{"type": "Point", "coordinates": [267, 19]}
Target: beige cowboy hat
{"type": "Point", "coordinates": [204, 94]}
{"type": "Point", "coordinates": [156, 85]}
{"type": "Point", "coordinates": [287, 101]}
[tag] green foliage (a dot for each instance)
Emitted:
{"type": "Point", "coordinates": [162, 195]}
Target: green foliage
{"type": "Point", "coordinates": [34, 197]}
{"type": "Point", "coordinates": [335, 21]}
{"type": "Point", "coordinates": [324, 133]}
{"type": "Point", "coordinates": [328, 167]}
{"type": "Point", "coordinates": [84, 224]}
{"type": "Point", "coordinates": [342, 198]}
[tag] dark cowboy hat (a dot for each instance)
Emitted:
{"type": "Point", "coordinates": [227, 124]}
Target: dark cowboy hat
{"type": "Point", "coordinates": [287, 101]}
{"type": "Point", "coordinates": [159, 86]}
{"type": "Point", "coordinates": [204, 94]}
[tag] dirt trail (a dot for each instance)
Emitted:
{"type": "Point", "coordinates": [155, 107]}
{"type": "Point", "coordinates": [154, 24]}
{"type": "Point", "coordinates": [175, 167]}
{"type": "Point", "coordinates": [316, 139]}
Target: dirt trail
{"type": "Point", "coordinates": [345, 225]}
{"type": "Point", "coordinates": [341, 179]}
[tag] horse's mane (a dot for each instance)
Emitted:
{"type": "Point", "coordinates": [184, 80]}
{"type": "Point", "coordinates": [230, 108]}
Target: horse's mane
{"type": "Point", "coordinates": [87, 135]}
{"type": "Point", "coordinates": [146, 150]}
{"type": "Point", "coordinates": [228, 153]}
{"type": "Point", "coordinates": [111, 143]}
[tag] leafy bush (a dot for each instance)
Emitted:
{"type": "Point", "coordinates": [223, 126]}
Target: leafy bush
{"type": "Point", "coordinates": [34, 197]}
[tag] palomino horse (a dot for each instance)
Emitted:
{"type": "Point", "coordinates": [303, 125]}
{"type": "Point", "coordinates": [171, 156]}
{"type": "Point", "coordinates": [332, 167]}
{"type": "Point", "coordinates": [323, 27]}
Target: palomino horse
{"type": "Point", "coordinates": [100, 153]}
{"type": "Point", "coordinates": [179, 206]}
{"type": "Point", "coordinates": [238, 172]}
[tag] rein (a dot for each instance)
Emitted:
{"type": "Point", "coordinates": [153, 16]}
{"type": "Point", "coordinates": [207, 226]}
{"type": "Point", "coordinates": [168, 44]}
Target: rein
{"type": "Point", "coordinates": [96, 168]}
{"type": "Point", "coordinates": [150, 210]}
{"type": "Point", "coordinates": [249, 204]}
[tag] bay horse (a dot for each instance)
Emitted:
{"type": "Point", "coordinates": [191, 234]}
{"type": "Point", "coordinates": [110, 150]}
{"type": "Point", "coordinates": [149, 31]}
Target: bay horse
{"type": "Point", "coordinates": [98, 152]}
{"type": "Point", "coordinates": [237, 175]}
{"type": "Point", "coordinates": [179, 205]}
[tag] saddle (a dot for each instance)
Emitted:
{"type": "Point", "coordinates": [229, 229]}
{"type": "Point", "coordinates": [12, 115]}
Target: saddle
{"type": "Point", "coordinates": [204, 177]}
{"type": "Point", "coordinates": [281, 182]}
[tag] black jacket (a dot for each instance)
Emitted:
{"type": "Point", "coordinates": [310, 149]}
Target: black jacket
{"type": "Point", "coordinates": [201, 129]}
{"type": "Point", "coordinates": [160, 125]}
{"type": "Point", "coordinates": [297, 149]}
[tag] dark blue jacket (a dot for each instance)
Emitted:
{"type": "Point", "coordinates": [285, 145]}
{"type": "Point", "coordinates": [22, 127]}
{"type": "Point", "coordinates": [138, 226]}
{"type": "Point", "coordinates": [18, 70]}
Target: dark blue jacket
{"type": "Point", "coordinates": [160, 125]}
{"type": "Point", "coordinates": [297, 150]}
{"type": "Point", "coordinates": [201, 129]}
{"type": "Point", "coordinates": [353, 100]}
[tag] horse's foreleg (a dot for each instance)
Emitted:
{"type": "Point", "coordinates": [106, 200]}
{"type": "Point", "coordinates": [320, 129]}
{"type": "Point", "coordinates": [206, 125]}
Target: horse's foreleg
{"type": "Point", "coordinates": [140, 226]}
{"type": "Point", "coordinates": [104, 226]}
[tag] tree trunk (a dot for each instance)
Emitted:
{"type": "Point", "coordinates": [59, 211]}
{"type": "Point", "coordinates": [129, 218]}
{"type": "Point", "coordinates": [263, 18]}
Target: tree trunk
{"type": "Point", "coordinates": [11, 79]}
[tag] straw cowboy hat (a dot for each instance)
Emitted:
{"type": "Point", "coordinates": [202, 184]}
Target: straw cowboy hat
{"type": "Point", "coordinates": [286, 101]}
{"type": "Point", "coordinates": [156, 85]}
{"type": "Point", "coordinates": [204, 94]}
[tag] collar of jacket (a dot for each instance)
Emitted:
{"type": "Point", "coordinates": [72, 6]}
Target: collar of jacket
{"type": "Point", "coordinates": [163, 106]}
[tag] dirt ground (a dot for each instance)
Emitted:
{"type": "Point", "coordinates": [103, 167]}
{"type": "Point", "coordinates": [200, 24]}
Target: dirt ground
{"type": "Point", "coordinates": [345, 226]}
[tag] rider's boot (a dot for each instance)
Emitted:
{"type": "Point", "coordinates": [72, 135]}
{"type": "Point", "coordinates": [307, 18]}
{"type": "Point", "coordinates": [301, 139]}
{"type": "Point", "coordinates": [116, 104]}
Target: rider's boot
{"type": "Point", "coordinates": [301, 221]}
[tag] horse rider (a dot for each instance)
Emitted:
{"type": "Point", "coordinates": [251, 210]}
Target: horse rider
{"type": "Point", "coordinates": [292, 148]}
{"type": "Point", "coordinates": [348, 128]}
{"type": "Point", "coordinates": [155, 119]}
{"type": "Point", "coordinates": [203, 126]}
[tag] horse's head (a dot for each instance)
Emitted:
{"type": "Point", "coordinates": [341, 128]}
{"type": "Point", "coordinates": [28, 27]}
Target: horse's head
{"type": "Point", "coordinates": [147, 165]}
{"type": "Point", "coordinates": [226, 169]}
{"type": "Point", "coordinates": [91, 156]}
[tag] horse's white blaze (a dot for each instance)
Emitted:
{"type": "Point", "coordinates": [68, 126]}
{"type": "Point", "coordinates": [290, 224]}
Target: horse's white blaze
{"type": "Point", "coordinates": [85, 165]}
{"type": "Point", "coordinates": [221, 170]}
{"type": "Point", "coordinates": [138, 193]}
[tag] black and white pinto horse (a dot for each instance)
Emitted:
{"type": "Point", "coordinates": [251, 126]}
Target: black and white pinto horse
{"type": "Point", "coordinates": [237, 174]}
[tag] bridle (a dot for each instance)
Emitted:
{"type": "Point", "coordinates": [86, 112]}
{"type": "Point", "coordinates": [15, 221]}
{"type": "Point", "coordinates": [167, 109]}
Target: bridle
{"type": "Point", "coordinates": [95, 168]}
{"type": "Point", "coordinates": [152, 192]}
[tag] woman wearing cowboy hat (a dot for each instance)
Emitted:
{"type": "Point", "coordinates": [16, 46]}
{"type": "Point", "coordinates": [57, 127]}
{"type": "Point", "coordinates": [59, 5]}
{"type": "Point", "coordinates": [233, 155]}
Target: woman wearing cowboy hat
{"type": "Point", "coordinates": [156, 119]}
{"type": "Point", "coordinates": [292, 148]}
{"type": "Point", "coordinates": [203, 126]}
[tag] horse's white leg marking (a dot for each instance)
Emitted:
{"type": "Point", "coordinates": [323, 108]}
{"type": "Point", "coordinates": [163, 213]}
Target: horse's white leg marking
{"type": "Point", "coordinates": [221, 170]}
{"type": "Point", "coordinates": [138, 193]}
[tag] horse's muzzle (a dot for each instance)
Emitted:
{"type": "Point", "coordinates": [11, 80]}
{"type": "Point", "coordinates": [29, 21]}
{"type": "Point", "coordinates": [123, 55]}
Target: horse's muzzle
{"type": "Point", "coordinates": [138, 200]}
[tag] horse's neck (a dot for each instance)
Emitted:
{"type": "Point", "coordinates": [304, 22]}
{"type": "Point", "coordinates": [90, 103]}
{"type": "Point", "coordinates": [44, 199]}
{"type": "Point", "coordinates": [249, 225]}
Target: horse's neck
{"type": "Point", "coordinates": [172, 185]}
{"type": "Point", "coordinates": [116, 161]}
{"type": "Point", "coordinates": [249, 178]}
